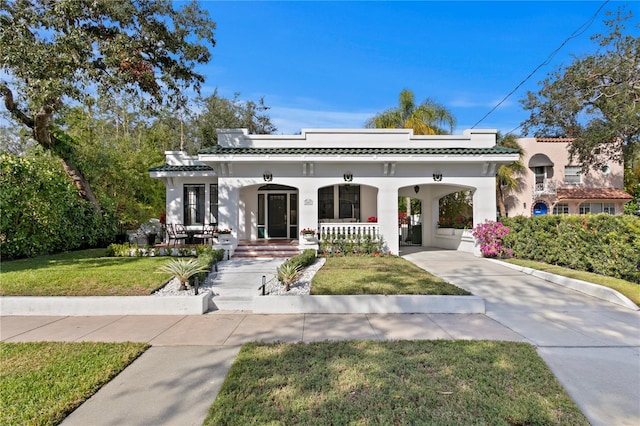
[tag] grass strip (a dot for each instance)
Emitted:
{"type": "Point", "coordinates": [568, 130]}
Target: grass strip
{"type": "Point", "coordinates": [41, 383]}
{"type": "Point", "coordinates": [388, 275]}
{"type": "Point", "coordinates": [402, 382]}
{"type": "Point", "coordinates": [82, 273]}
{"type": "Point", "coordinates": [627, 288]}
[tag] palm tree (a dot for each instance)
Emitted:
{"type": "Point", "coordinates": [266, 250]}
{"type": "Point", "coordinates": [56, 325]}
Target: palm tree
{"type": "Point", "coordinates": [508, 176]}
{"type": "Point", "coordinates": [428, 118]}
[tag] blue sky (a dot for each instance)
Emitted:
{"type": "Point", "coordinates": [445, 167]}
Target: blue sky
{"type": "Point", "coordinates": [336, 64]}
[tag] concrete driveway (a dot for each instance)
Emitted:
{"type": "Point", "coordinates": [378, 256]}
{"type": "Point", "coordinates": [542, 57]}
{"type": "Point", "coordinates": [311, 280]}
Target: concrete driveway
{"type": "Point", "coordinates": [592, 346]}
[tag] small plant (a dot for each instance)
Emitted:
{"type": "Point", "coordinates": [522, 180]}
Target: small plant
{"type": "Point", "coordinates": [489, 236]}
{"type": "Point", "coordinates": [183, 269]}
{"type": "Point", "coordinates": [287, 273]}
{"type": "Point", "coordinates": [308, 231]}
{"type": "Point", "coordinates": [224, 231]}
{"type": "Point", "coordinates": [372, 219]}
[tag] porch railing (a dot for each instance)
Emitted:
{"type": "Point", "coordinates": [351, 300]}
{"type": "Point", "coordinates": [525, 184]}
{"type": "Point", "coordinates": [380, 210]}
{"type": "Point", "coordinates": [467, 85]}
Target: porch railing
{"type": "Point", "coordinates": [351, 231]}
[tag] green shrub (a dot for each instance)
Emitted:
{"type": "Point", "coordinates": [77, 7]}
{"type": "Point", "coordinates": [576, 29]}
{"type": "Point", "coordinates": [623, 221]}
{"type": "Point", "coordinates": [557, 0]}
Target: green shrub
{"type": "Point", "coordinates": [350, 244]}
{"type": "Point", "coordinates": [209, 256]}
{"type": "Point", "coordinates": [42, 212]}
{"type": "Point", "coordinates": [603, 244]}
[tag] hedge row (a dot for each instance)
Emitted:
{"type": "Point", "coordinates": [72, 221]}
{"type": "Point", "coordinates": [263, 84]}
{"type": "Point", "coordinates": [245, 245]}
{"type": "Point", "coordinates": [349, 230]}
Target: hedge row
{"type": "Point", "coordinates": [604, 244]}
{"type": "Point", "coordinates": [42, 212]}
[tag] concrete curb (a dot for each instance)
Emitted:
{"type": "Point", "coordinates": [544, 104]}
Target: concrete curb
{"type": "Point", "coordinates": [595, 290]}
{"type": "Point", "coordinates": [368, 304]}
{"type": "Point", "coordinates": [105, 305]}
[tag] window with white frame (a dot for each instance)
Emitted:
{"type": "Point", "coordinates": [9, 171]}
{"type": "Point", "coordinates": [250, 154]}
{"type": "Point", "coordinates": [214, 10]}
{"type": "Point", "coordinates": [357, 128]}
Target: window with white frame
{"type": "Point", "coordinates": [573, 174]}
{"type": "Point", "coordinates": [193, 204]}
{"type": "Point", "coordinates": [594, 208]}
{"type": "Point", "coordinates": [349, 202]}
{"type": "Point", "coordinates": [213, 203]}
{"type": "Point", "coordinates": [561, 208]}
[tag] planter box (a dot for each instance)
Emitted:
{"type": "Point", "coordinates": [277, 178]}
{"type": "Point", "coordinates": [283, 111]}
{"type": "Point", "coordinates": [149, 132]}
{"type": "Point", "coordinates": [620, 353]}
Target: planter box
{"type": "Point", "coordinates": [105, 305]}
{"type": "Point", "coordinates": [455, 239]}
{"type": "Point", "coordinates": [368, 304]}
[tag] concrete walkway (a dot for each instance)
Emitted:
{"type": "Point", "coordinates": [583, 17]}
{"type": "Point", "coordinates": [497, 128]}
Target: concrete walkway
{"type": "Point", "coordinates": [592, 346]}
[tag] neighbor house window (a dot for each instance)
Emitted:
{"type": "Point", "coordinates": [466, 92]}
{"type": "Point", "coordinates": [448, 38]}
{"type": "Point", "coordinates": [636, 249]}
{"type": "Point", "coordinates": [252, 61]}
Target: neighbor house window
{"type": "Point", "coordinates": [609, 208]}
{"type": "Point", "coordinates": [213, 203]}
{"type": "Point", "coordinates": [561, 208]}
{"type": "Point", "coordinates": [193, 204]}
{"type": "Point", "coordinates": [572, 174]}
{"type": "Point", "coordinates": [349, 202]}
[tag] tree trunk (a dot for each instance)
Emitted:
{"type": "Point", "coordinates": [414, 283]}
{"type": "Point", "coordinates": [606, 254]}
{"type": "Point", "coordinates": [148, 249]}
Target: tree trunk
{"type": "Point", "coordinates": [81, 183]}
{"type": "Point", "coordinates": [42, 134]}
{"type": "Point", "coordinates": [500, 197]}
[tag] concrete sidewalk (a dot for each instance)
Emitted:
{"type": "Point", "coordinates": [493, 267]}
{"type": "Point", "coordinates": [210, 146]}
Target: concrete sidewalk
{"type": "Point", "coordinates": [592, 346]}
{"type": "Point", "coordinates": [176, 380]}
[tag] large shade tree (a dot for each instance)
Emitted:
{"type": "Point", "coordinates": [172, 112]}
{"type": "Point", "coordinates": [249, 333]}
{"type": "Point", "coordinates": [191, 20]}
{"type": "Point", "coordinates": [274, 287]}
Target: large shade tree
{"type": "Point", "coordinates": [595, 100]}
{"type": "Point", "coordinates": [427, 118]}
{"type": "Point", "coordinates": [59, 53]}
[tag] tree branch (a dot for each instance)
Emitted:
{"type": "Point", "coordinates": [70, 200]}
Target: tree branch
{"type": "Point", "coordinates": [13, 108]}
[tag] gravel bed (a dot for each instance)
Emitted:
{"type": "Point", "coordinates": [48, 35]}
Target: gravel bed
{"type": "Point", "coordinates": [301, 286]}
{"type": "Point", "coordinates": [172, 288]}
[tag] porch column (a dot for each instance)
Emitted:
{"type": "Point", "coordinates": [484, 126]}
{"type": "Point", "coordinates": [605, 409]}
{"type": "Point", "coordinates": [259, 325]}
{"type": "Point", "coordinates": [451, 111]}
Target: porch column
{"type": "Point", "coordinates": [388, 218]}
{"type": "Point", "coordinates": [228, 199]}
{"type": "Point", "coordinates": [484, 203]}
{"type": "Point", "coordinates": [308, 204]}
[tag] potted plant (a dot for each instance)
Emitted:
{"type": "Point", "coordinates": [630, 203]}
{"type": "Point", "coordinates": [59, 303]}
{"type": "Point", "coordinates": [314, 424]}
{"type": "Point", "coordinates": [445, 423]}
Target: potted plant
{"type": "Point", "coordinates": [151, 228]}
{"type": "Point", "coordinates": [224, 235]}
{"type": "Point", "coordinates": [308, 233]}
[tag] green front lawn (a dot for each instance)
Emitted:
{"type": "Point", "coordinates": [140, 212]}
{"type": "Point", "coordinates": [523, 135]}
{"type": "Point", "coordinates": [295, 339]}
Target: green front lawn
{"type": "Point", "coordinates": [392, 383]}
{"type": "Point", "coordinates": [41, 383]}
{"type": "Point", "coordinates": [627, 288]}
{"type": "Point", "coordinates": [377, 275]}
{"type": "Point", "coordinates": [81, 273]}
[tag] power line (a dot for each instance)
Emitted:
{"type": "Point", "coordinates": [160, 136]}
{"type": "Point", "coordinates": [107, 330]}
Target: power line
{"type": "Point", "coordinates": [578, 32]}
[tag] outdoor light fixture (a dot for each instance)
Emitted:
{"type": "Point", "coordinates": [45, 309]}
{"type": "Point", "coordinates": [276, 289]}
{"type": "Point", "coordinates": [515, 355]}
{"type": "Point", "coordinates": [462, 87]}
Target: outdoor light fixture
{"type": "Point", "coordinates": [437, 177]}
{"type": "Point", "coordinates": [348, 177]}
{"type": "Point", "coordinates": [267, 176]}
{"type": "Point", "coordinates": [416, 188]}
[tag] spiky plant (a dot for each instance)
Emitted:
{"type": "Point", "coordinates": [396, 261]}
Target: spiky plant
{"type": "Point", "coordinates": [183, 269]}
{"type": "Point", "coordinates": [287, 273]}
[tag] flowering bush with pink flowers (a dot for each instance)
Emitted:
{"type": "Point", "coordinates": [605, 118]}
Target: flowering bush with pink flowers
{"type": "Point", "coordinates": [489, 236]}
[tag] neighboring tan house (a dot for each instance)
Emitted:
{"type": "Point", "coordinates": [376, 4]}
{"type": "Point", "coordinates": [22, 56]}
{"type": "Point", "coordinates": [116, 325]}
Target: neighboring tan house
{"type": "Point", "coordinates": [555, 185]}
{"type": "Point", "coordinates": [266, 187]}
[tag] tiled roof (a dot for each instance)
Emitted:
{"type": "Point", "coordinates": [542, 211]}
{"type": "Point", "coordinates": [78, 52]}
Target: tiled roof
{"type": "Point", "coordinates": [593, 194]}
{"type": "Point", "coordinates": [555, 140]}
{"type": "Point", "coordinates": [180, 168]}
{"type": "Point", "coordinates": [218, 150]}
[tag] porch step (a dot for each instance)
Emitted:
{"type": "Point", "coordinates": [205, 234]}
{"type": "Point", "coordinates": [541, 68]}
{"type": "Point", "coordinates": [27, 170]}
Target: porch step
{"type": "Point", "coordinates": [233, 303]}
{"type": "Point", "coordinates": [266, 249]}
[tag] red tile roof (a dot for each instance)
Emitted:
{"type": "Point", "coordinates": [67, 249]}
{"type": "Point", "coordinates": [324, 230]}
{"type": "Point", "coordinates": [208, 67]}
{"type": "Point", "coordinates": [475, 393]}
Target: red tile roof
{"type": "Point", "coordinates": [593, 194]}
{"type": "Point", "coordinates": [555, 140]}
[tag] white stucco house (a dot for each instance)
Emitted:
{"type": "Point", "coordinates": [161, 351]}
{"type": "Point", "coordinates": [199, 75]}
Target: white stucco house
{"type": "Point", "coordinates": [330, 180]}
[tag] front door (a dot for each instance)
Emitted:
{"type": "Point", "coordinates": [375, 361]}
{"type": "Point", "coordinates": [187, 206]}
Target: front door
{"type": "Point", "coordinates": [277, 222]}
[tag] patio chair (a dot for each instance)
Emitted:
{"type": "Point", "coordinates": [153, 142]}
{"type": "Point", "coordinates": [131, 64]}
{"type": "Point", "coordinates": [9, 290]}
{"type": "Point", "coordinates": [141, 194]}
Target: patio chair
{"type": "Point", "coordinates": [175, 234]}
{"type": "Point", "coordinates": [206, 235]}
